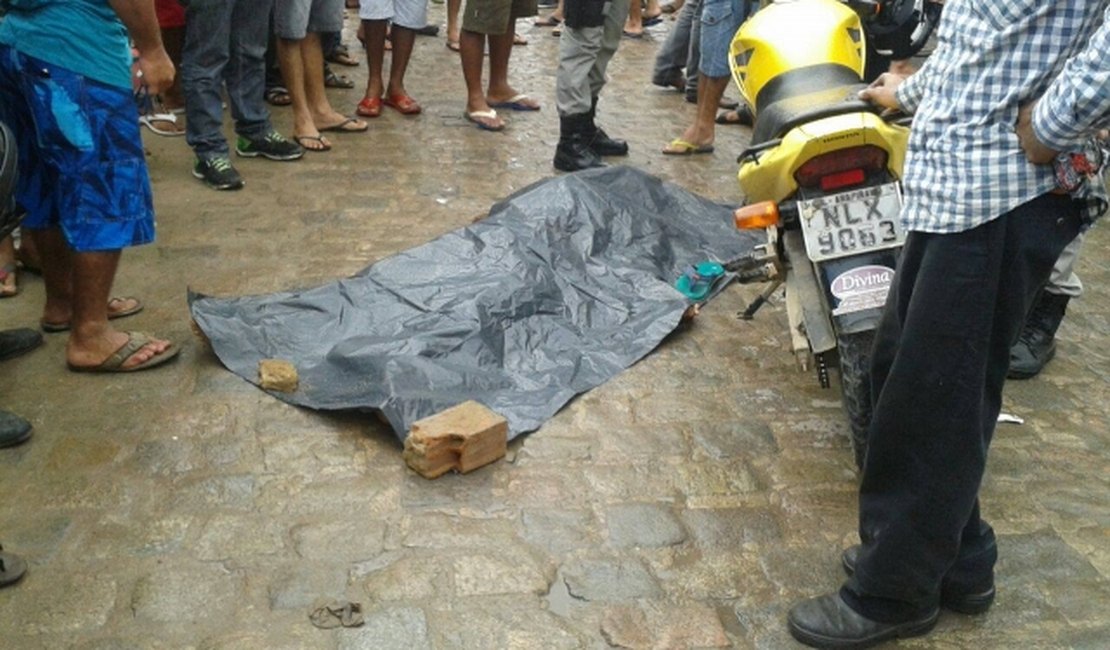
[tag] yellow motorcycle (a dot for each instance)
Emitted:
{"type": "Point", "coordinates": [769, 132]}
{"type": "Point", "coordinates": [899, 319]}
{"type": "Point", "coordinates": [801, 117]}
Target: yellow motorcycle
{"type": "Point", "coordinates": [821, 176]}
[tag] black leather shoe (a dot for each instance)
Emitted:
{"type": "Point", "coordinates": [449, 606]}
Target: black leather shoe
{"type": "Point", "coordinates": [14, 430]}
{"type": "Point", "coordinates": [951, 597]}
{"type": "Point", "coordinates": [828, 622]}
{"type": "Point", "coordinates": [1037, 343]}
{"type": "Point", "coordinates": [18, 341]}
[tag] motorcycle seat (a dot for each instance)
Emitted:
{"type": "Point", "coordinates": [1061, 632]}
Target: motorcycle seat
{"type": "Point", "coordinates": [806, 95]}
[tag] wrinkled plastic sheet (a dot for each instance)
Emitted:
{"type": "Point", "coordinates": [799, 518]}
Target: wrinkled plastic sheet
{"type": "Point", "coordinates": [565, 284]}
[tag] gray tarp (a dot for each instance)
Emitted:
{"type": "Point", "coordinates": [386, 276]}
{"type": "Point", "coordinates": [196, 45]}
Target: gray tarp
{"type": "Point", "coordinates": [565, 284]}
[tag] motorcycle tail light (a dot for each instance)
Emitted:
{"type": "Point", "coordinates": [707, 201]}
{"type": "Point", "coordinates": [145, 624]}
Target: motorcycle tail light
{"type": "Point", "coordinates": [841, 168]}
{"type": "Point", "coordinates": [756, 216]}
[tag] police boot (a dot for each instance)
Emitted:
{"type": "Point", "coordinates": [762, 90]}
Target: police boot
{"type": "Point", "coordinates": [602, 144]}
{"type": "Point", "coordinates": [1037, 344]}
{"type": "Point", "coordinates": [573, 152]}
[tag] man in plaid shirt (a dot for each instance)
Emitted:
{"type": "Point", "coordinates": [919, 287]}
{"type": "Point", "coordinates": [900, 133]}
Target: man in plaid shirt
{"type": "Point", "coordinates": [1010, 85]}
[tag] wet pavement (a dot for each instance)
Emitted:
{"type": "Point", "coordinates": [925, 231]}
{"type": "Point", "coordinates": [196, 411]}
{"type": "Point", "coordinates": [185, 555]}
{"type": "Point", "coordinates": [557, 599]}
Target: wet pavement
{"type": "Point", "coordinates": [685, 504]}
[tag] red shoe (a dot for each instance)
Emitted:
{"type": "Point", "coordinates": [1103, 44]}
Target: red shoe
{"type": "Point", "coordinates": [404, 104]}
{"type": "Point", "coordinates": [370, 107]}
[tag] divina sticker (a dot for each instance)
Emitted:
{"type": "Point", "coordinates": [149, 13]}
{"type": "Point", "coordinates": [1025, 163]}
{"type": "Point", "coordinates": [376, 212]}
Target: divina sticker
{"type": "Point", "coordinates": [864, 287]}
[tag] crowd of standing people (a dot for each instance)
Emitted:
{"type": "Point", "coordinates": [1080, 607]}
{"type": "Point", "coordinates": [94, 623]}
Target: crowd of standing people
{"type": "Point", "coordinates": [1011, 85]}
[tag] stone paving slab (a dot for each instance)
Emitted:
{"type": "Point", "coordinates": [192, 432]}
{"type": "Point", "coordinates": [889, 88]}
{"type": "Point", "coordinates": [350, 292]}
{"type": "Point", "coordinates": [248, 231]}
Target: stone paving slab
{"type": "Point", "coordinates": [685, 504]}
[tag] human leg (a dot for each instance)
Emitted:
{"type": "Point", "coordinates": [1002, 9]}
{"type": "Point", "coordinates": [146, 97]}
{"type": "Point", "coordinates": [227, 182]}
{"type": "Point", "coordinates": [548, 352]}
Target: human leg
{"type": "Point", "coordinates": [245, 74]}
{"type": "Point", "coordinates": [204, 56]}
{"type": "Point", "coordinates": [957, 304]}
{"type": "Point", "coordinates": [374, 31]}
{"type": "Point", "coordinates": [500, 48]}
{"type": "Point", "coordinates": [579, 47]}
{"type": "Point", "coordinates": [453, 7]}
{"type": "Point", "coordinates": [9, 279]}
{"type": "Point", "coordinates": [1036, 345]}
{"type": "Point", "coordinates": [674, 54]}
{"type": "Point", "coordinates": [600, 142]}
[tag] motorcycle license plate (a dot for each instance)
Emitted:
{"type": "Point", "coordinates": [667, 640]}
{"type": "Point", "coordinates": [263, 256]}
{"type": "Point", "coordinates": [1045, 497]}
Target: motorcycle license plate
{"type": "Point", "coordinates": [850, 223]}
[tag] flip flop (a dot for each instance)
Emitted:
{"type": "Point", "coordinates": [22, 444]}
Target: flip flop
{"type": "Point", "coordinates": [18, 341]}
{"type": "Point", "coordinates": [324, 144]}
{"type": "Point", "coordinates": [369, 107]}
{"type": "Point", "coordinates": [135, 342]}
{"type": "Point", "coordinates": [477, 116]}
{"type": "Point", "coordinates": [519, 40]}
{"type": "Point", "coordinates": [452, 45]}
{"type": "Point", "coordinates": [520, 102]}
{"type": "Point", "coordinates": [628, 34]}
{"type": "Point", "coordinates": [549, 21]}
{"type": "Point", "coordinates": [278, 96]}
{"type": "Point", "coordinates": [342, 56]}
{"type": "Point", "coordinates": [332, 79]}
{"type": "Point", "coordinates": [680, 147]}
{"type": "Point", "coordinates": [9, 271]}
{"type": "Point", "coordinates": [403, 104]}
{"type": "Point", "coordinates": [12, 568]}
{"type": "Point", "coordinates": [164, 124]}
{"type": "Point", "coordinates": [654, 20]}
{"type": "Point", "coordinates": [54, 328]}
{"type": "Point", "coordinates": [357, 126]}
{"type": "Point", "coordinates": [427, 30]}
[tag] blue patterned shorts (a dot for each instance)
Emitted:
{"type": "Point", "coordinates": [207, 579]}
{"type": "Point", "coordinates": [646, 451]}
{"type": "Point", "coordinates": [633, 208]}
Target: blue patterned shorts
{"type": "Point", "coordinates": [81, 164]}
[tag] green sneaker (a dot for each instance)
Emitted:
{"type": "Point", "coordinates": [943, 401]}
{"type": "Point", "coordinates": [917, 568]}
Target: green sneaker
{"type": "Point", "coordinates": [218, 173]}
{"type": "Point", "coordinates": [273, 145]}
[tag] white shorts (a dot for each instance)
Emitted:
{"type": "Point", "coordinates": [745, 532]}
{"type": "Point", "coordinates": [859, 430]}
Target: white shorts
{"type": "Point", "coordinates": [403, 13]}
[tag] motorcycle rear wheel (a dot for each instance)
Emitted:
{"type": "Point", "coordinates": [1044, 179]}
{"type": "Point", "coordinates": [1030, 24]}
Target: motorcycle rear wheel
{"type": "Point", "coordinates": [854, 351]}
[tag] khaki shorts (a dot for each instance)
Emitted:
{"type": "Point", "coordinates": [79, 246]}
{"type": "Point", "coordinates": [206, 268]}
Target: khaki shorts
{"type": "Point", "coordinates": [495, 16]}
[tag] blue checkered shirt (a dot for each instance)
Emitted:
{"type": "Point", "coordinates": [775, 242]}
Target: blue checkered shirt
{"type": "Point", "coordinates": [964, 166]}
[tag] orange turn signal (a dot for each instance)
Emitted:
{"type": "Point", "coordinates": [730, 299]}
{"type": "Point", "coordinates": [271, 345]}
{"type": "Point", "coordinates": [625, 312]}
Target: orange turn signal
{"type": "Point", "coordinates": [756, 216]}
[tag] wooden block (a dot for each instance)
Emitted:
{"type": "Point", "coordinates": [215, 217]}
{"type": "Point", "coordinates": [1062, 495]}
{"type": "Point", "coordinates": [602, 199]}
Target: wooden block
{"type": "Point", "coordinates": [277, 374]}
{"type": "Point", "coordinates": [463, 438]}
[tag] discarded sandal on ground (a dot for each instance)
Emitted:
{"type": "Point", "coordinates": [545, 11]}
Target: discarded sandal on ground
{"type": "Point", "coordinates": [116, 309]}
{"type": "Point", "coordinates": [520, 102]}
{"type": "Point", "coordinates": [680, 147]}
{"type": "Point", "coordinates": [479, 118]}
{"type": "Point", "coordinates": [135, 342]}
{"type": "Point", "coordinates": [549, 21]}
{"type": "Point", "coordinates": [316, 143]}
{"type": "Point", "coordinates": [403, 104]}
{"type": "Point", "coordinates": [369, 107]}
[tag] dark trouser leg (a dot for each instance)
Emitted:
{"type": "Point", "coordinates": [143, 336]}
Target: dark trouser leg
{"type": "Point", "coordinates": [203, 59]}
{"type": "Point", "coordinates": [940, 361]}
{"type": "Point", "coordinates": [246, 70]}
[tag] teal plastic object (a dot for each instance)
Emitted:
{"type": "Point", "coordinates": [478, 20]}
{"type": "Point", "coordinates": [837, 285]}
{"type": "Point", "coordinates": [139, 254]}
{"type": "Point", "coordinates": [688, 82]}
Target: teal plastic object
{"type": "Point", "coordinates": [697, 281]}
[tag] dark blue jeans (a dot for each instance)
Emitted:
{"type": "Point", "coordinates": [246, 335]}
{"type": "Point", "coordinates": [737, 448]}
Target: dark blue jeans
{"type": "Point", "coordinates": [225, 44]}
{"type": "Point", "coordinates": [939, 362]}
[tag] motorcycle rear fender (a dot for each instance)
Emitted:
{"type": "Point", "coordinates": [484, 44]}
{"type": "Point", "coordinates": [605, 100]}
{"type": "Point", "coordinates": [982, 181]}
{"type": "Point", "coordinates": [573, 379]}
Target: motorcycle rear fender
{"type": "Point", "coordinates": [804, 294]}
{"type": "Point", "coordinates": [769, 175]}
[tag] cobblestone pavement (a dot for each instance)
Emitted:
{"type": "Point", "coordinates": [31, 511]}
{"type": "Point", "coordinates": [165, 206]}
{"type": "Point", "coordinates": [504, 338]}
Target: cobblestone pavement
{"type": "Point", "coordinates": [685, 504]}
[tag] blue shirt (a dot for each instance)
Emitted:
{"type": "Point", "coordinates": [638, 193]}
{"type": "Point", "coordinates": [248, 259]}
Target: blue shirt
{"type": "Point", "coordinates": [84, 36]}
{"type": "Point", "coordinates": [965, 166]}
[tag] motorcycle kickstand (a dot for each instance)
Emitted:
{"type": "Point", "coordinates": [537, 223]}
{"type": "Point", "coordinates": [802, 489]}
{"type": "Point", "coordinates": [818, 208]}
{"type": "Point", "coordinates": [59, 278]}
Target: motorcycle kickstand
{"type": "Point", "coordinates": [761, 300]}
